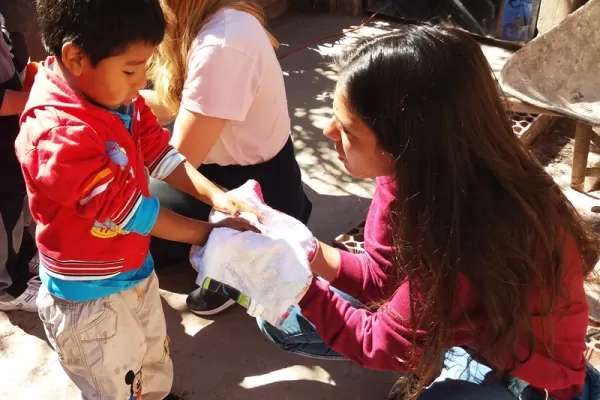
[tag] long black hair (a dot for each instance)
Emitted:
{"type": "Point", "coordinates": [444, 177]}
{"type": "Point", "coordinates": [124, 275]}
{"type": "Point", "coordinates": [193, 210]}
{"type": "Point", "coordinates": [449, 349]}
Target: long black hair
{"type": "Point", "coordinates": [472, 202]}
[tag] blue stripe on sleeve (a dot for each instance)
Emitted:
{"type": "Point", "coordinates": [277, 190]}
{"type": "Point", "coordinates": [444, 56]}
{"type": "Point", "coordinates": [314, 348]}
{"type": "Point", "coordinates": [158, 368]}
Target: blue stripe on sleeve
{"type": "Point", "coordinates": [145, 216]}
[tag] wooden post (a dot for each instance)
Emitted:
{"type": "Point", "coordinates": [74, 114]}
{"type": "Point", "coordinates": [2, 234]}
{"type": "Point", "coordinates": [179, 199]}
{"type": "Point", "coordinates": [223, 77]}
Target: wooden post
{"type": "Point", "coordinates": [540, 125]}
{"type": "Point", "coordinates": [516, 105]}
{"type": "Point", "coordinates": [500, 18]}
{"type": "Point", "coordinates": [583, 136]}
{"type": "Point", "coordinates": [352, 8]}
{"type": "Point", "coordinates": [332, 5]}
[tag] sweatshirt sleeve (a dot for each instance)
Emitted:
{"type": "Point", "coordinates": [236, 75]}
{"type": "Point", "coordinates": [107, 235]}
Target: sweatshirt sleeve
{"type": "Point", "coordinates": [68, 164]}
{"type": "Point", "coordinates": [378, 340]}
{"type": "Point", "coordinates": [372, 276]}
{"type": "Point", "coordinates": [159, 156]}
{"type": "Point", "coordinates": [363, 278]}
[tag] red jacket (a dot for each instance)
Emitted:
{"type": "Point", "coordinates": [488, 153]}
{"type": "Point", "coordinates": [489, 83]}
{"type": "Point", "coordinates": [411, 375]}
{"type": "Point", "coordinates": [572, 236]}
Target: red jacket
{"type": "Point", "coordinates": [85, 175]}
{"type": "Point", "coordinates": [383, 339]}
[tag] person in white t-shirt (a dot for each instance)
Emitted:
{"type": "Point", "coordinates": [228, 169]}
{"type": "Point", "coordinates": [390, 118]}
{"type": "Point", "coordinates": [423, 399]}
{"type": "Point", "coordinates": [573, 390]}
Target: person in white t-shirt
{"type": "Point", "coordinates": [217, 72]}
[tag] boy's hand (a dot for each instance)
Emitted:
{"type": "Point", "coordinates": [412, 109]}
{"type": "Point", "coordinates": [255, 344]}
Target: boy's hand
{"type": "Point", "coordinates": [228, 205]}
{"type": "Point", "coordinates": [174, 227]}
{"type": "Point", "coordinates": [238, 224]}
{"type": "Point", "coordinates": [187, 179]}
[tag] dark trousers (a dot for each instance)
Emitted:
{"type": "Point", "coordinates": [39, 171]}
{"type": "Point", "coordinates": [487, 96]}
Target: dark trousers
{"type": "Point", "coordinates": [17, 246]}
{"type": "Point", "coordinates": [279, 178]}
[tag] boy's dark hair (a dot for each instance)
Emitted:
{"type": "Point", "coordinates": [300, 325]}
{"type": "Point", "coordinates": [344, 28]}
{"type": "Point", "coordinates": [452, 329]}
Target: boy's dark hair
{"type": "Point", "coordinates": [101, 28]}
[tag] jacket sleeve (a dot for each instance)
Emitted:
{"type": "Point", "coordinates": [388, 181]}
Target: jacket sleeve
{"type": "Point", "coordinates": [366, 277]}
{"type": "Point", "coordinates": [379, 340]}
{"type": "Point", "coordinates": [372, 275]}
{"type": "Point", "coordinates": [159, 156]}
{"type": "Point", "coordinates": [383, 339]}
{"type": "Point", "coordinates": [69, 166]}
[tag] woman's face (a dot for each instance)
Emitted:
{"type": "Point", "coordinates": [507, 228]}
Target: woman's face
{"type": "Point", "coordinates": [356, 144]}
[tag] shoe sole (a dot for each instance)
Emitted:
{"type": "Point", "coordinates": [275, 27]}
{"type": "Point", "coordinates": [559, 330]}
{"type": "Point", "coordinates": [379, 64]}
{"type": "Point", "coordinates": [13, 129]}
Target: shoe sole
{"type": "Point", "coordinates": [214, 311]}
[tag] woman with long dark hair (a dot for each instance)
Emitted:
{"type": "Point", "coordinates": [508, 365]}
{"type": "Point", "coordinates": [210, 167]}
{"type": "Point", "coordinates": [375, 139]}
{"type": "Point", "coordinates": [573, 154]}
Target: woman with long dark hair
{"type": "Point", "coordinates": [472, 279]}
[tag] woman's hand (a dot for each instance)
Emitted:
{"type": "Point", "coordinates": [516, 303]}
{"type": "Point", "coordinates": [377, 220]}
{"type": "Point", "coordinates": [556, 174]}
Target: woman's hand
{"type": "Point", "coordinates": [229, 205]}
{"type": "Point", "coordinates": [238, 224]}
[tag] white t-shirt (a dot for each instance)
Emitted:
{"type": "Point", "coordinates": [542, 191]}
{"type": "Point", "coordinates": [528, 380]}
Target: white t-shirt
{"type": "Point", "coordinates": [233, 73]}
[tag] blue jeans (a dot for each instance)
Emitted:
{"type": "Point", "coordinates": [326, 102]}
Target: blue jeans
{"type": "Point", "coordinates": [458, 380]}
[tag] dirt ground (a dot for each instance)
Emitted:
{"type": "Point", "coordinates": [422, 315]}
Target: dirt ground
{"type": "Point", "coordinates": [226, 357]}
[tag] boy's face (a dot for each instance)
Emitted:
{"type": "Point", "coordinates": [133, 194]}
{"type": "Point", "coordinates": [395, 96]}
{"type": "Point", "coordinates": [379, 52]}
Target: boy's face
{"type": "Point", "coordinates": [114, 81]}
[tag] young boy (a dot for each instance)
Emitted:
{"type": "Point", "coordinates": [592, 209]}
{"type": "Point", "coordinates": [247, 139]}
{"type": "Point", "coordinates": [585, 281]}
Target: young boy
{"type": "Point", "coordinates": [17, 290]}
{"type": "Point", "coordinates": [88, 145]}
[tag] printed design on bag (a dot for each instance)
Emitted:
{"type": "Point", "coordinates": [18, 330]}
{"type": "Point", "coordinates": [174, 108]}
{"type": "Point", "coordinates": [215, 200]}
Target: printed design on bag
{"type": "Point", "coordinates": [134, 380]}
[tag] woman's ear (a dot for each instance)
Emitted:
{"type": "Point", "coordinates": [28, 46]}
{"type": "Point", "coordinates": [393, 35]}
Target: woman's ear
{"type": "Point", "coordinates": [74, 59]}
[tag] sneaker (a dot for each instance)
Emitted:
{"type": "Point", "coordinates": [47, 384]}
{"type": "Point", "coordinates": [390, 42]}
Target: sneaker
{"type": "Point", "coordinates": [204, 302]}
{"type": "Point", "coordinates": [26, 301]}
{"type": "Point", "coordinates": [34, 264]}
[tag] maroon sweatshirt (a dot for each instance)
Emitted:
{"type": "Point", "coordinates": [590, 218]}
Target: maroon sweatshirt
{"type": "Point", "coordinates": [383, 339]}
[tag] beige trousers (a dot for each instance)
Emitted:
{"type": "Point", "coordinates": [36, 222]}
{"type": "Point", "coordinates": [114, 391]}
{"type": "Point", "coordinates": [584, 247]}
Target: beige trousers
{"type": "Point", "coordinates": [115, 347]}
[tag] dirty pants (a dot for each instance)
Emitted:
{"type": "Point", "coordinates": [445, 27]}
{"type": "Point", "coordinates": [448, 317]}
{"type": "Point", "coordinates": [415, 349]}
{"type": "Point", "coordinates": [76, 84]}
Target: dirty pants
{"type": "Point", "coordinates": [115, 347]}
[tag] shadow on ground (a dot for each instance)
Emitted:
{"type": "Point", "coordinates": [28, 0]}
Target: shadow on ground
{"type": "Point", "coordinates": [227, 358]}
{"type": "Point", "coordinates": [230, 359]}
{"type": "Point", "coordinates": [223, 358]}
{"type": "Point", "coordinates": [310, 78]}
